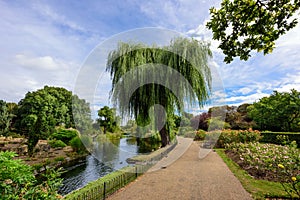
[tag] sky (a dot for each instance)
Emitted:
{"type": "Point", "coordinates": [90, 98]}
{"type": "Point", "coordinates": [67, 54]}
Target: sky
{"type": "Point", "coordinates": [49, 43]}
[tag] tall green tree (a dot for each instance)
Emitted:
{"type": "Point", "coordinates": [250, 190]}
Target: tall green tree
{"type": "Point", "coordinates": [159, 84]}
{"type": "Point", "coordinates": [245, 25]}
{"type": "Point", "coordinates": [40, 111]}
{"type": "Point", "coordinates": [5, 118]}
{"type": "Point", "coordinates": [278, 112]}
{"type": "Point", "coordinates": [107, 119]}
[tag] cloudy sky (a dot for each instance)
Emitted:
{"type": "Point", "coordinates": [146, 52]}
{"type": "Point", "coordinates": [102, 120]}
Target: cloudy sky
{"type": "Point", "coordinates": [48, 42]}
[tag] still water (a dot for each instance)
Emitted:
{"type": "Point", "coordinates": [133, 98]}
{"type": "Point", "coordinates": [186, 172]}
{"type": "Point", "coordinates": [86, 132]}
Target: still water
{"type": "Point", "coordinates": [106, 158]}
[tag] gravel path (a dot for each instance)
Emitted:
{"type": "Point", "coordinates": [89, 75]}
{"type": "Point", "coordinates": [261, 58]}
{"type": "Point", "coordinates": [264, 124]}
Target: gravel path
{"type": "Point", "coordinates": [183, 175]}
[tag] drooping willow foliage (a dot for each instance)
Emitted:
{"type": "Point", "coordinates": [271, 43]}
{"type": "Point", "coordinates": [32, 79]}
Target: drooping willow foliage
{"type": "Point", "coordinates": [143, 76]}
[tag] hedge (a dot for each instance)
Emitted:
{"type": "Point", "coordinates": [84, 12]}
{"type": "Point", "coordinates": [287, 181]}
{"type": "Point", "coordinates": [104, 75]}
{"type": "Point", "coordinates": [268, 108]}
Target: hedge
{"type": "Point", "coordinates": [277, 137]}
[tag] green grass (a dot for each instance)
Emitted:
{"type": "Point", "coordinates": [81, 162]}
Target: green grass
{"type": "Point", "coordinates": [259, 189]}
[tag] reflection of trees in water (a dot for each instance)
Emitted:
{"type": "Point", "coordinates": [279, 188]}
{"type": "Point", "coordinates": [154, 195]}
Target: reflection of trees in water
{"type": "Point", "coordinates": [106, 150]}
{"type": "Point", "coordinates": [148, 144]}
{"type": "Point", "coordinates": [145, 144]}
{"type": "Point", "coordinates": [131, 141]}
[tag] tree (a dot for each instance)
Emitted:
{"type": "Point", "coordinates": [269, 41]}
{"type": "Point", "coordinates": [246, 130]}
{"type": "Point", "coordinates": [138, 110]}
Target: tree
{"type": "Point", "coordinates": [40, 111]}
{"type": "Point", "coordinates": [201, 121]}
{"type": "Point", "coordinates": [5, 118]}
{"type": "Point", "coordinates": [146, 67]}
{"type": "Point", "coordinates": [245, 25]}
{"type": "Point", "coordinates": [12, 109]}
{"type": "Point", "coordinates": [237, 117]}
{"type": "Point", "coordinates": [107, 119]}
{"type": "Point", "coordinates": [278, 112]}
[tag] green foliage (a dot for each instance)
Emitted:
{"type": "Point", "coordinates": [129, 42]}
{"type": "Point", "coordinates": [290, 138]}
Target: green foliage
{"type": "Point", "coordinates": [113, 182]}
{"type": "Point", "coordinates": [226, 137]}
{"type": "Point", "coordinates": [200, 135]}
{"type": "Point", "coordinates": [59, 159]}
{"type": "Point", "coordinates": [189, 134]}
{"type": "Point", "coordinates": [278, 112]}
{"type": "Point", "coordinates": [291, 182]}
{"type": "Point", "coordinates": [42, 110]}
{"type": "Point", "coordinates": [283, 139]}
{"type": "Point", "coordinates": [81, 114]}
{"type": "Point", "coordinates": [108, 119]}
{"type": "Point", "coordinates": [183, 130]}
{"type": "Point", "coordinates": [259, 189]}
{"type": "Point", "coordinates": [215, 123]}
{"type": "Point", "coordinates": [78, 145]}
{"type": "Point", "coordinates": [5, 118]}
{"type": "Point", "coordinates": [51, 105]}
{"type": "Point", "coordinates": [265, 157]}
{"type": "Point", "coordinates": [188, 57]}
{"type": "Point", "coordinates": [185, 121]}
{"type": "Point", "coordinates": [280, 137]}
{"type": "Point", "coordinates": [271, 162]}
{"type": "Point", "coordinates": [56, 143]}
{"type": "Point", "coordinates": [18, 180]}
{"type": "Point", "coordinates": [65, 135]}
{"type": "Point", "coordinates": [245, 25]}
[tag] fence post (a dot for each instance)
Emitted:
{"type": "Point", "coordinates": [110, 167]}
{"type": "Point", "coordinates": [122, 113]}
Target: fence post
{"type": "Point", "coordinates": [136, 172]}
{"type": "Point", "coordinates": [104, 188]}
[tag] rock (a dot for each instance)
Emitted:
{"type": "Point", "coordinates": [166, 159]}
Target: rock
{"type": "Point", "coordinates": [42, 145]}
{"type": "Point", "coordinates": [68, 149]}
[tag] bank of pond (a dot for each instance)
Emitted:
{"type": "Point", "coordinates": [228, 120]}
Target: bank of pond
{"type": "Point", "coordinates": [106, 156]}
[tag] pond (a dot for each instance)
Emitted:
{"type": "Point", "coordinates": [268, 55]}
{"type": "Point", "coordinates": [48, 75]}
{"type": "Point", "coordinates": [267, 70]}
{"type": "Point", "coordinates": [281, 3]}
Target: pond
{"type": "Point", "coordinates": [106, 158]}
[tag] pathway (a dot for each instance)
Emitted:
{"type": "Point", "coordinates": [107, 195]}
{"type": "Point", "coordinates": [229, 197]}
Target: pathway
{"type": "Point", "coordinates": [183, 175]}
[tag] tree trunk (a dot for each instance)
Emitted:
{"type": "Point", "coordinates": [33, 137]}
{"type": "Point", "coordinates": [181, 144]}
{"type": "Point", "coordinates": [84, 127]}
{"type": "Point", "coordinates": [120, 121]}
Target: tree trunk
{"type": "Point", "coordinates": [165, 136]}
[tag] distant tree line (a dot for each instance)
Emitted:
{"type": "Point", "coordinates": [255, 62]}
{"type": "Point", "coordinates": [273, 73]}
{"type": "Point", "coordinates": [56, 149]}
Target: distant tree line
{"type": "Point", "coordinates": [278, 112]}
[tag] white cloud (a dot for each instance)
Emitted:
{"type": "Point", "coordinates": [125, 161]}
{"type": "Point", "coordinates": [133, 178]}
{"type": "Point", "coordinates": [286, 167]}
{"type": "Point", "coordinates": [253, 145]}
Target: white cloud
{"type": "Point", "coordinates": [40, 63]}
{"type": "Point", "coordinates": [245, 90]}
{"type": "Point", "coordinates": [47, 11]}
{"type": "Point", "coordinates": [178, 14]}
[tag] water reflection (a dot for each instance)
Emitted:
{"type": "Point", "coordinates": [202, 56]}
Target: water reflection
{"type": "Point", "coordinates": [108, 156]}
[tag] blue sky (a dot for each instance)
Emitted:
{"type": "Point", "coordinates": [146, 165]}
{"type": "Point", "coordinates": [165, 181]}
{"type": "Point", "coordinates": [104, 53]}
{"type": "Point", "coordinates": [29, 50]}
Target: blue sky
{"type": "Point", "coordinates": [47, 42]}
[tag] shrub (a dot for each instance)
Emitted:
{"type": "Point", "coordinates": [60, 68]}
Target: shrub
{"type": "Point", "coordinates": [270, 162]}
{"type": "Point", "coordinates": [232, 136]}
{"type": "Point", "coordinates": [18, 180]}
{"type": "Point", "coordinates": [280, 137]}
{"type": "Point", "coordinates": [190, 134]}
{"type": "Point", "coordinates": [58, 159]}
{"type": "Point", "coordinates": [65, 135]}
{"type": "Point", "coordinates": [56, 143]}
{"type": "Point", "coordinates": [77, 144]}
{"type": "Point", "coordinates": [183, 130]}
{"type": "Point", "coordinates": [200, 135]}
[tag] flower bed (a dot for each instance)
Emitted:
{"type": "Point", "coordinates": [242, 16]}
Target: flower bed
{"type": "Point", "coordinates": [228, 136]}
{"type": "Point", "coordinates": [269, 162]}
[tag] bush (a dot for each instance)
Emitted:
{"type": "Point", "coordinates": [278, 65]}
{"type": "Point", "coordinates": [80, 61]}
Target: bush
{"type": "Point", "coordinates": [183, 130]}
{"type": "Point", "coordinates": [59, 159]}
{"type": "Point", "coordinates": [200, 135]}
{"type": "Point", "coordinates": [56, 143]}
{"type": "Point", "coordinates": [65, 135]}
{"type": "Point", "coordinates": [270, 162]}
{"type": "Point", "coordinates": [190, 134]}
{"type": "Point", "coordinates": [280, 137]}
{"type": "Point", "coordinates": [233, 136]}
{"type": "Point", "coordinates": [77, 145]}
{"type": "Point", "coordinates": [18, 180]}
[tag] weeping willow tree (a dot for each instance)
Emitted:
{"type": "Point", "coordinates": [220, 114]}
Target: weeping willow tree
{"type": "Point", "coordinates": [171, 76]}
